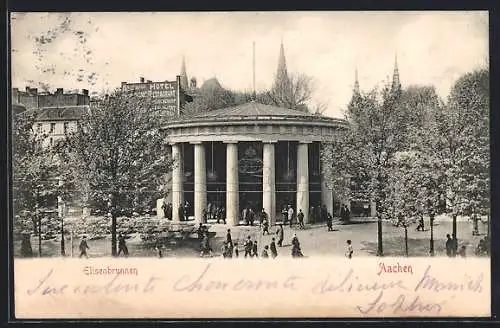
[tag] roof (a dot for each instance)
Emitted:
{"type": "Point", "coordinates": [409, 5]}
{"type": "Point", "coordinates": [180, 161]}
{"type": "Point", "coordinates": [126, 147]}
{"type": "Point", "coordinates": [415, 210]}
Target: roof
{"type": "Point", "coordinates": [65, 113]}
{"type": "Point", "coordinates": [252, 109]}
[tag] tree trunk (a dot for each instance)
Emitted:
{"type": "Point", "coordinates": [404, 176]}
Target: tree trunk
{"type": "Point", "coordinates": [39, 235]}
{"type": "Point", "coordinates": [432, 236]}
{"type": "Point", "coordinates": [406, 241]}
{"type": "Point", "coordinates": [63, 250]}
{"type": "Point", "coordinates": [26, 250]}
{"type": "Point", "coordinates": [113, 234]}
{"type": "Point", "coordinates": [380, 250]}
{"type": "Point", "coordinates": [454, 231]}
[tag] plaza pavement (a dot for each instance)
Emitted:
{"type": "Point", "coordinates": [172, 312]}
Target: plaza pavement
{"type": "Point", "coordinates": [315, 240]}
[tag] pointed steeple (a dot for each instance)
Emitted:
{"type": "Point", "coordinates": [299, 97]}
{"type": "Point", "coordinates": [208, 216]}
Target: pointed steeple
{"type": "Point", "coordinates": [184, 78]}
{"type": "Point", "coordinates": [356, 82]}
{"type": "Point", "coordinates": [396, 84]}
{"type": "Point", "coordinates": [282, 71]}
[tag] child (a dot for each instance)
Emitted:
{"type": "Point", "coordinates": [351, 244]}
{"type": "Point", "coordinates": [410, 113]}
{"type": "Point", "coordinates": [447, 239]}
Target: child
{"type": "Point", "coordinates": [349, 250]}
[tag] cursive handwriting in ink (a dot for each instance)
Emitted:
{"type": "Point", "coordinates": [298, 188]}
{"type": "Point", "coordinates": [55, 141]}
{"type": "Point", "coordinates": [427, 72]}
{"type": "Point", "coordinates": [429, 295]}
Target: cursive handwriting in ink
{"type": "Point", "coordinates": [431, 283]}
{"type": "Point", "coordinates": [351, 283]}
{"type": "Point", "coordinates": [394, 268]}
{"type": "Point", "coordinates": [203, 282]}
{"type": "Point", "coordinates": [47, 287]}
{"type": "Point", "coordinates": [400, 305]}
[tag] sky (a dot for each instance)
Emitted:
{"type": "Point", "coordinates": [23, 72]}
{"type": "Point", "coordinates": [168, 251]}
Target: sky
{"type": "Point", "coordinates": [97, 51]}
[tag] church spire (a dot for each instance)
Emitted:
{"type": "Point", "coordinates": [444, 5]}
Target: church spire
{"type": "Point", "coordinates": [356, 82]}
{"type": "Point", "coordinates": [184, 79]}
{"type": "Point", "coordinates": [396, 84]}
{"type": "Point", "coordinates": [282, 71]}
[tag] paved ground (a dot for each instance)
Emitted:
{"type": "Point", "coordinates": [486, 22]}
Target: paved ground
{"type": "Point", "coordinates": [315, 240]}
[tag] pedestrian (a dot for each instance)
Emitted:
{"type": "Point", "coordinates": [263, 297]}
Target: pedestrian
{"type": "Point", "coordinates": [296, 251]}
{"type": "Point", "coordinates": [290, 215]}
{"type": "Point", "coordinates": [180, 211]}
{"type": "Point", "coordinates": [122, 246]}
{"type": "Point", "coordinates": [455, 245]}
{"type": "Point", "coordinates": [252, 216]}
{"type": "Point", "coordinates": [284, 215]}
{"type": "Point", "coordinates": [420, 226]}
{"type": "Point", "coordinates": [280, 234]}
{"type": "Point", "coordinates": [186, 210]}
{"type": "Point", "coordinates": [255, 250]}
{"type": "Point", "coordinates": [236, 250]}
{"type": "Point", "coordinates": [274, 251]}
{"type": "Point", "coordinates": [449, 246]}
{"type": "Point", "coordinates": [462, 251]}
{"type": "Point", "coordinates": [224, 250]}
{"type": "Point", "coordinates": [229, 239]}
{"type": "Point", "coordinates": [248, 247]}
{"type": "Point", "coordinates": [329, 222]}
{"type": "Point", "coordinates": [300, 218]}
{"type": "Point", "coordinates": [265, 222]}
{"type": "Point", "coordinates": [205, 216]}
{"type": "Point", "coordinates": [349, 251]}
{"type": "Point", "coordinates": [83, 247]}
{"type": "Point", "coordinates": [265, 254]}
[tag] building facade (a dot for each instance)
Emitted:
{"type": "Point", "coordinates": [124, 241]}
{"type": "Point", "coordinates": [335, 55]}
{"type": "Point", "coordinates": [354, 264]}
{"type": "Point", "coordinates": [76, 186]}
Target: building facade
{"type": "Point", "coordinates": [251, 155]}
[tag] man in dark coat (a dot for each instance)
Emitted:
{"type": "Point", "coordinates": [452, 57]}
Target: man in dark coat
{"type": "Point", "coordinates": [255, 250]}
{"type": "Point", "coordinates": [122, 246]}
{"type": "Point", "coordinates": [229, 239]}
{"type": "Point", "coordinates": [329, 222]}
{"type": "Point", "coordinates": [300, 218]}
{"type": "Point", "coordinates": [274, 251]}
{"type": "Point", "coordinates": [248, 247]}
{"type": "Point", "coordinates": [455, 245]}
{"type": "Point", "coordinates": [84, 247]}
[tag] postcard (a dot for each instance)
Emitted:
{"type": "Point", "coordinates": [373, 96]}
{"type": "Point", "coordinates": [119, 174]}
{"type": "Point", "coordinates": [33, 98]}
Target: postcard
{"type": "Point", "coordinates": [250, 164]}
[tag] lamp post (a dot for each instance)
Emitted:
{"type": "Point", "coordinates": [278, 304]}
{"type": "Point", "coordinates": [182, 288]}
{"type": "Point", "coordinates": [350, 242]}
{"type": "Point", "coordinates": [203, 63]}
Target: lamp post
{"type": "Point", "coordinates": [380, 249]}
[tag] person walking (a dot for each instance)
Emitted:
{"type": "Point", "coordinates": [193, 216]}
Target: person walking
{"type": "Point", "coordinates": [296, 251]}
{"type": "Point", "coordinates": [290, 215]}
{"type": "Point", "coordinates": [349, 251]}
{"type": "Point", "coordinates": [248, 247]}
{"type": "Point", "coordinates": [229, 239]}
{"type": "Point", "coordinates": [300, 218]}
{"type": "Point", "coordinates": [122, 246]}
{"type": "Point", "coordinates": [329, 222]}
{"type": "Point", "coordinates": [255, 250]}
{"type": "Point", "coordinates": [455, 245]}
{"type": "Point", "coordinates": [274, 251]}
{"type": "Point", "coordinates": [449, 246]}
{"type": "Point", "coordinates": [420, 226]}
{"type": "Point", "coordinates": [83, 247]}
{"type": "Point", "coordinates": [280, 233]}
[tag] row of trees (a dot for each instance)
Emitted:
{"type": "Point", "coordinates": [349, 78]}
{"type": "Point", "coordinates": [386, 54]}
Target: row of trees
{"type": "Point", "coordinates": [408, 151]}
{"type": "Point", "coordinates": [114, 161]}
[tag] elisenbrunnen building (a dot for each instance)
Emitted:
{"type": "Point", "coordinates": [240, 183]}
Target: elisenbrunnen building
{"type": "Point", "coordinates": [250, 155]}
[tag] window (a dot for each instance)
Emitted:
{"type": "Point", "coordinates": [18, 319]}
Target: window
{"type": "Point", "coordinates": [52, 127]}
{"type": "Point", "coordinates": [66, 127]}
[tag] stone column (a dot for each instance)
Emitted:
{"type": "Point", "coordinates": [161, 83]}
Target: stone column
{"type": "Point", "coordinates": [327, 197]}
{"type": "Point", "coordinates": [232, 184]}
{"type": "Point", "coordinates": [303, 180]}
{"type": "Point", "coordinates": [177, 182]}
{"type": "Point", "coordinates": [200, 181]}
{"type": "Point", "coordinates": [268, 181]}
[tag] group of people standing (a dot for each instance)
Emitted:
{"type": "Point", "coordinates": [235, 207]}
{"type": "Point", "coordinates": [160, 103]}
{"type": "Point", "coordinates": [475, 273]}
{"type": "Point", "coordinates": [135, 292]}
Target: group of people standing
{"type": "Point", "coordinates": [183, 211]}
{"type": "Point", "coordinates": [214, 212]}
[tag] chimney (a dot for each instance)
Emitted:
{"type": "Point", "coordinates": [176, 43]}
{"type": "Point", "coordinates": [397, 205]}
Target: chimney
{"type": "Point", "coordinates": [85, 92]}
{"type": "Point", "coordinates": [141, 79]}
